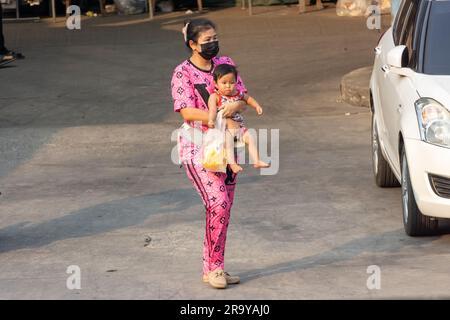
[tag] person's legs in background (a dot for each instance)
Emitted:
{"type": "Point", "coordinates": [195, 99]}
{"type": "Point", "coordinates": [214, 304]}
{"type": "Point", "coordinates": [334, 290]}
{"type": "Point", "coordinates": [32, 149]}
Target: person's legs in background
{"type": "Point", "coordinates": [3, 50]}
{"type": "Point", "coordinates": [6, 54]}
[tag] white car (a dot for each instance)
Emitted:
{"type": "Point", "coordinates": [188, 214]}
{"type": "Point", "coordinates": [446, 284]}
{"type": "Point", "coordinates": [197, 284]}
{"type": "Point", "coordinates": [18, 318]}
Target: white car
{"type": "Point", "coordinates": [410, 105]}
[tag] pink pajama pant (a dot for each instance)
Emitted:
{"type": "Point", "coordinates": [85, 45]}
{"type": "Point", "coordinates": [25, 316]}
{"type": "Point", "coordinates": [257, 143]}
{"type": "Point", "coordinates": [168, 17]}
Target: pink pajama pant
{"type": "Point", "coordinates": [216, 190]}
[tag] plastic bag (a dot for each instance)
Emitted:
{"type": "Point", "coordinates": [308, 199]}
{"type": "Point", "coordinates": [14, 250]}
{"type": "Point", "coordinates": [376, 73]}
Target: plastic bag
{"type": "Point", "coordinates": [165, 5]}
{"type": "Point", "coordinates": [214, 152]}
{"type": "Point", "coordinates": [387, 4]}
{"type": "Point", "coordinates": [128, 7]}
{"type": "Point", "coordinates": [189, 139]}
{"type": "Point", "coordinates": [352, 8]}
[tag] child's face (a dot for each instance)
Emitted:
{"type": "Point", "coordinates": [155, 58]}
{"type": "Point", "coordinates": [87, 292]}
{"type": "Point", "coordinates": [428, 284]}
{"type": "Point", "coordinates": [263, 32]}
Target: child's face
{"type": "Point", "coordinates": [226, 84]}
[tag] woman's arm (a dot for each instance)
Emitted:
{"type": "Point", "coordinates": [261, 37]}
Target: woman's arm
{"type": "Point", "coordinates": [194, 114]}
{"type": "Point", "coordinates": [183, 95]}
{"type": "Point", "coordinates": [212, 106]}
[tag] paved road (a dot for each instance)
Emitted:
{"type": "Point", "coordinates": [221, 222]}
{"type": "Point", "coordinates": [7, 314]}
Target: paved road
{"type": "Point", "coordinates": [86, 177]}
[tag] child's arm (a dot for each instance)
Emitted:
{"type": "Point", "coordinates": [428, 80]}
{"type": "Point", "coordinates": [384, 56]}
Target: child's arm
{"type": "Point", "coordinates": [253, 103]}
{"type": "Point", "coordinates": [212, 106]}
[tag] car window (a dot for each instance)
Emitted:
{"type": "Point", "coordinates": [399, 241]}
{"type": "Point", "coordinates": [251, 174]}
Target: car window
{"type": "Point", "coordinates": [400, 21]}
{"type": "Point", "coordinates": [407, 38]}
{"type": "Point", "coordinates": [437, 42]}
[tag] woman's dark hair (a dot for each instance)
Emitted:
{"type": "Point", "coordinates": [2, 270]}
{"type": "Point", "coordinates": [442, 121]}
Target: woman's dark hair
{"type": "Point", "coordinates": [224, 69]}
{"type": "Point", "coordinates": [195, 27]}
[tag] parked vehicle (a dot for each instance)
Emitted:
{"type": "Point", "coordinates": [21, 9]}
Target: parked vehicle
{"type": "Point", "coordinates": [410, 105]}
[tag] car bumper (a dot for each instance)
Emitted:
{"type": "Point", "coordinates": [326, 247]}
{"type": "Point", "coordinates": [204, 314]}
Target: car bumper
{"type": "Point", "coordinates": [425, 159]}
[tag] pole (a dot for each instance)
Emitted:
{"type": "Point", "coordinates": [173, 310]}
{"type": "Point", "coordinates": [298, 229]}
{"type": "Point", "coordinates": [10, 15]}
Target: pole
{"type": "Point", "coordinates": [67, 2]}
{"type": "Point", "coordinates": [150, 9]}
{"type": "Point", "coordinates": [301, 6]}
{"type": "Point", "coordinates": [102, 7]}
{"type": "Point", "coordinates": [319, 5]}
{"type": "Point", "coordinates": [53, 11]}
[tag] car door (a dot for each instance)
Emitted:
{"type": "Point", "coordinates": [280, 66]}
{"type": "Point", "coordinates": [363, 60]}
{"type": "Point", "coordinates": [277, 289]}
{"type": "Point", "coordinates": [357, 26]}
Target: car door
{"type": "Point", "coordinates": [398, 89]}
{"type": "Point", "coordinates": [384, 91]}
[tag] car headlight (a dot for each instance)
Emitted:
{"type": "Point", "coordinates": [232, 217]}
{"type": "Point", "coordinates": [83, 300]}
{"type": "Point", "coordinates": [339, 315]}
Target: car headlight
{"type": "Point", "coordinates": [434, 122]}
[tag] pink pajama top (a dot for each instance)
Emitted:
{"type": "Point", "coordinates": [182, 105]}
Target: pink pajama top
{"type": "Point", "coordinates": [191, 87]}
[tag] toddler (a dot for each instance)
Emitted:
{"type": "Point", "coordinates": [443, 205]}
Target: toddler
{"type": "Point", "coordinates": [225, 76]}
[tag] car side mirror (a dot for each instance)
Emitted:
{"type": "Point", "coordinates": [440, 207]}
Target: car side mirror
{"type": "Point", "coordinates": [398, 61]}
{"type": "Point", "coordinates": [398, 57]}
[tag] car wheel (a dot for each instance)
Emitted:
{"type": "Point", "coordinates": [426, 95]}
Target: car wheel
{"type": "Point", "coordinates": [415, 223]}
{"type": "Point", "coordinates": [384, 177]}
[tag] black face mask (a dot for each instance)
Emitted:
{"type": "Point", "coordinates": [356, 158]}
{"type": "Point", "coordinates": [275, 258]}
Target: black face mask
{"type": "Point", "coordinates": [209, 50]}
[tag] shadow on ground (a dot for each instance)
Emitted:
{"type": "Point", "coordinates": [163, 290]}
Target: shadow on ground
{"type": "Point", "coordinates": [106, 217]}
{"type": "Point", "coordinates": [388, 242]}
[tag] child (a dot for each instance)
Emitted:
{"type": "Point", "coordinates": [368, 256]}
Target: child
{"type": "Point", "coordinates": [225, 76]}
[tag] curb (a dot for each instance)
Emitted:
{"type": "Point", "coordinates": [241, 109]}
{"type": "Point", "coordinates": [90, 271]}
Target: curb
{"type": "Point", "coordinates": [355, 87]}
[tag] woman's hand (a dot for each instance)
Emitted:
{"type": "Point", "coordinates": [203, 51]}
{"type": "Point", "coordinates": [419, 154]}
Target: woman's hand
{"type": "Point", "coordinates": [231, 108]}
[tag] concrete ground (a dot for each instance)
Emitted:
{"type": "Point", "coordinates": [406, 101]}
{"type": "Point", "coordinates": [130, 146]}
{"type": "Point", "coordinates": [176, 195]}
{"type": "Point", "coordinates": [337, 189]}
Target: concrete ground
{"type": "Point", "coordinates": [86, 177]}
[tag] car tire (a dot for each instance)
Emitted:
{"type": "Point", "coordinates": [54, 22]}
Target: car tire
{"type": "Point", "coordinates": [384, 176]}
{"type": "Point", "coordinates": [415, 223]}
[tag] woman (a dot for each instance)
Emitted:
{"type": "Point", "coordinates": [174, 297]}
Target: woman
{"type": "Point", "coordinates": [192, 83]}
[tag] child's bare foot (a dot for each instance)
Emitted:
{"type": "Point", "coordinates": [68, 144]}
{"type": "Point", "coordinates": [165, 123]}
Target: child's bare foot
{"type": "Point", "coordinates": [235, 168]}
{"type": "Point", "coordinates": [261, 164]}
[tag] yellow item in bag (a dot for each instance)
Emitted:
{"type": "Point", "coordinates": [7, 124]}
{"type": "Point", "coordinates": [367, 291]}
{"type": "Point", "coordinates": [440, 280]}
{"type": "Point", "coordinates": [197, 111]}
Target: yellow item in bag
{"type": "Point", "coordinates": [214, 158]}
{"type": "Point", "coordinates": [214, 153]}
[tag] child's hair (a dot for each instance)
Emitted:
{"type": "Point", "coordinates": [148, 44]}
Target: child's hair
{"type": "Point", "coordinates": [193, 28]}
{"type": "Point", "coordinates": [224, 69]}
